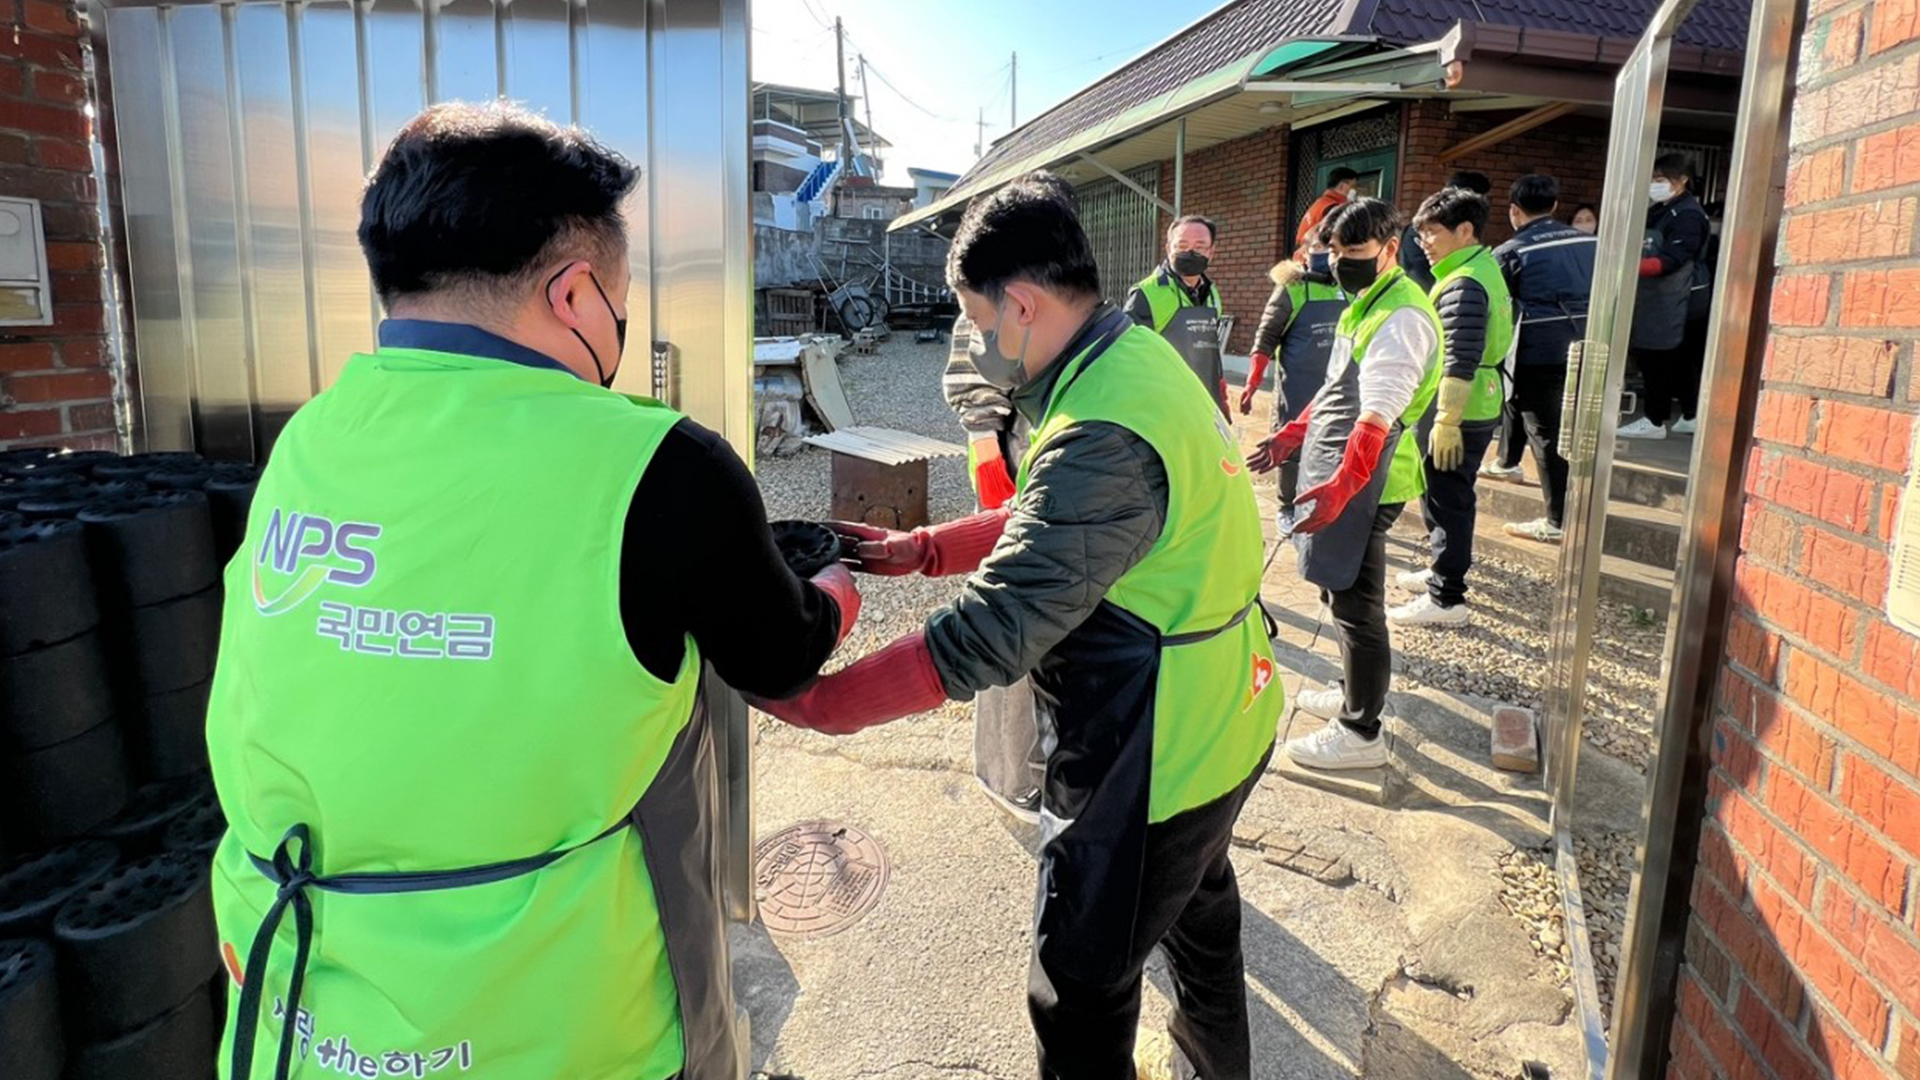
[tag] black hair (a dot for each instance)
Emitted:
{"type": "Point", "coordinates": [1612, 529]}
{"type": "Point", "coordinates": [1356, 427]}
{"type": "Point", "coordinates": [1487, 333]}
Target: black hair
{"type": "Point", "coordinates": [487, 198]}
{"type": "Point", "coordinates": [1026, 231]}
{"type": "Point", "coordinates": [1322, 234]}
{"type": "Point", "coordinates": [1213, 231]}
{"type": "Point", "coordinates": [1451, 206]}
{"type": "Point", "coordinates": [1340, 176]}
{"type": "Point", "coordinates": [1589, 208]}
{"type": "Point", "coordinates": [1675, 167]}
{"type": "Point", "coordinates": [1536, 194]}
{"type": "Point", "coordinates": [1362, 220]}
{"type": "Point", "coordinates": [1473, 181]}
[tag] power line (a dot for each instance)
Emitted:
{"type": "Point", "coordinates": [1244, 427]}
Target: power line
{"type": "Point", "coordinates": [882, 76]}
{"type": "Point", "coordinates": [824, 22]}
{"type": "Point", "coordinates": [1097, 59]}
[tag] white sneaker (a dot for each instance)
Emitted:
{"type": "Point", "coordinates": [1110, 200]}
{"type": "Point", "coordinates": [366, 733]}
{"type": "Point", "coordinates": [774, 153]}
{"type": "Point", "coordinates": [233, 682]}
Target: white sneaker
{"type": "Point", "coordinates": [1414, 580]}
{"type": "Point", "coordinates": [1336, 746]}
{"type": "Point", "coordinates": [1423, 611]}
{"type": "Point", "coordinates": [1642, 429]}
{"type": "Point", "coordinates": [1684, 427]}
{"type": "Point", "coordinates": [1285, 520]}
{"type": "Point", "coordinates": [1515, 475]}
{"type": "Point", "coordinates": [1539, 529]}
{"type": "Point", "coordinates": [1325, 704]}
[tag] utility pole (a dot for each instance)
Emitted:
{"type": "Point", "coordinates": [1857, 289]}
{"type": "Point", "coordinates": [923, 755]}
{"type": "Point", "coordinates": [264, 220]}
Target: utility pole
{"type": "Point", "coordinates": [980, 139]}
{"type": "Point", "coordinates": [1013, 93]}
{"type": "Point", "coordinates": [866, 100]}
{"type": "Point", "coordinates": [840, 72]}
{"type": "Point", "coordinates": [840, 68]}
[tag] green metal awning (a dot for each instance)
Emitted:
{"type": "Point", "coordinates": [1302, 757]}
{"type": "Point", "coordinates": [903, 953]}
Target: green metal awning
{"type": "Point", "coordinates": [1220, 83]}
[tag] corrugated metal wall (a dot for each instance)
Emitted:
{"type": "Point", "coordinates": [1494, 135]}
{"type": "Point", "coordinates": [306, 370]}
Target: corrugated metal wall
{"type": "Point", "coordinates": [1123, 229]}
{"type": "Point", "coordinates": [246, 129]}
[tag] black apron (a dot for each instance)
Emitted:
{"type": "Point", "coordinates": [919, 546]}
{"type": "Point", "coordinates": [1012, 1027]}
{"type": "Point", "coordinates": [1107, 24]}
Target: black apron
{"type": "Point", "coordinates": [1660, 305]}
{"type": "Point", "coordinates": [1194, 332]}
{"type": "Point", "coordinates": [1331, 558]}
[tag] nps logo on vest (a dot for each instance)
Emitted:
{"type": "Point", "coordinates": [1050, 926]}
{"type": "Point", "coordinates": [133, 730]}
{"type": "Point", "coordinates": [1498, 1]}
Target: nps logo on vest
{"type": "Point", "coordinates": [1262, 678]}
{"type": "Point", "coordinates": [312, 551]}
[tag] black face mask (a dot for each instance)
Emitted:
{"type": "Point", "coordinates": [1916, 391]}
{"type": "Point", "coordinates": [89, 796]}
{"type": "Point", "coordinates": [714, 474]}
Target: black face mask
{"type": "Point", "coordinates": [1190, 264]}
{"type": "Point", "coordinates": [619, 332]}
{"type": "Point", "coordinates": [1356, 275]}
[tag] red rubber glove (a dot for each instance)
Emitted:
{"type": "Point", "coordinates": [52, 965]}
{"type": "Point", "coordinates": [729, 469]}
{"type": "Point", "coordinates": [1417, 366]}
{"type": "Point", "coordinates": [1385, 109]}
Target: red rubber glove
{"type": "Point", "coordinates": [1283, 445]}
{"type": "Point", "coordinates": [953, 547]}
{"type": "Point", "coordinates": [1650, 266]}
{"type": "Point", "coordinates": [993, 483]}
{"type": "Point", "coordinates": [1357, 466]}
{"type": "Point", "coordinates": [1254, 377]}
{"type": "Point", "coordinates": [838, 584]}
{"type": "Point", "coordinates": [897, 681]}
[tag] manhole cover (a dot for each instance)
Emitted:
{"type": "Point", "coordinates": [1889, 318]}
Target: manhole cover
{"type": "Point", "coordinates": [817, 878]}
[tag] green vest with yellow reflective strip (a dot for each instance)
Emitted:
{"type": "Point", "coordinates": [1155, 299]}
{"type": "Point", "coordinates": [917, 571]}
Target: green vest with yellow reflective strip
{"type": "Point", "coordinates": [423, 661]}
{"type": "Point", "coordinates": [1165, 296]}
{"type": "Point", "coordinates": [1363, 319]}
{"type": "Point", "coordinates": [1220, 698]}
{"type": "Point", "coordinates": [1489, 383]}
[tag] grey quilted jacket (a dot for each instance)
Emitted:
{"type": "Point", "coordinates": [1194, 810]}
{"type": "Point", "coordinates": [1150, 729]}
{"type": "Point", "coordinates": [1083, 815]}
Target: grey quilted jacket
{"type": "Point", "coordinates": [1094, 505]}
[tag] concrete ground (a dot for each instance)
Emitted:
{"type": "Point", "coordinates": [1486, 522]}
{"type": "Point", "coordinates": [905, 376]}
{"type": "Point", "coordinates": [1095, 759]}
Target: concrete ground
{"type": "Point", "coordinates": [1377, 943]}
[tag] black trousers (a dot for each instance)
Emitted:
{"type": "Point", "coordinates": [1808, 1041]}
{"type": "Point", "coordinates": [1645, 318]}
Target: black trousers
{"type": "Point", "coordinates": [1673, 375]}
{"type": "Point", "coordinates": [1536, 394]}
{"type": "Point", "coordinates": [1448, 510]}
{"type": "Point", "coordinates": [1289, 481]}
{"type": "Point", "coordinates": [1513, 434]}
{"type": "Point", "coordinates": [1360, 618]}
{"type": "Point", "coordinates": [1189, 905]}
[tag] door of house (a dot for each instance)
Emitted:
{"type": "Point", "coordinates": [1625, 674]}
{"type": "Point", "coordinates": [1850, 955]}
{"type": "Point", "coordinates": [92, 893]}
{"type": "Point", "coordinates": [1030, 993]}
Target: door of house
{"type": "Point", "coordinates": [1376, 169]}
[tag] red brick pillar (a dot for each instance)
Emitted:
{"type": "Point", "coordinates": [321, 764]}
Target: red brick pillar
{"type": "Point", "coordinates": [1803, 959]}
{"type": "Point", "coordinates": [55, 382]}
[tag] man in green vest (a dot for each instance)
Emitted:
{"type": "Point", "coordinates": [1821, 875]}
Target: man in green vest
{"type": "Point", "coordinates": [1180, 302]}
{"type": "Point", "coordinates": [1125, 578]}
{"type": "Point", "coordinates": [1476, 328]}
{"type": "Point", "coordinates": [456, 725]}
{"type": "Point", "coordinates": [1358, 467]}
{"type": "Point", "coordinates": [1297, 327]}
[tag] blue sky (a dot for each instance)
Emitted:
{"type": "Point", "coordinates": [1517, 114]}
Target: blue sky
{"type": "Point", "coordinates": [945, 60]}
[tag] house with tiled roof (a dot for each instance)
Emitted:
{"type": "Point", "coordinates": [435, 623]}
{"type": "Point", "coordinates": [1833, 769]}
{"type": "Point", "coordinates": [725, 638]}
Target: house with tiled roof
{"type": "Point", "coordinates": [1243, 114]}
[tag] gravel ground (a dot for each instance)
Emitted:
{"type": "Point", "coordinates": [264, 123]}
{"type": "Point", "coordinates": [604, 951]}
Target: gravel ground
{"type": "Point", "coordinates": [1530, 891]}
{"type": "Point", "coordinates": [898, 386]}
{"type": "Point", "coordinates": [1502, 654]}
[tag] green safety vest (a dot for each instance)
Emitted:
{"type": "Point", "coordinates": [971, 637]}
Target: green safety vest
{"type": "Point", "coordinates": [1218, 700]}
{"type": "Point", "coordinates": [422, 660]}
{"type": "Point", "coordinates": [1165, 296]}
{"type": "Point", "coordinates": [1489, 383]}
{"type": "Point", "coordinates": [1368, 312]}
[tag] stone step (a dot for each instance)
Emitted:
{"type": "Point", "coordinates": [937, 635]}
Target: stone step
{"type": "Point", "coordinates": [1635, 532]}
{"type": "Point", "coordinates": [1645, 473]}
{"type": "Point", "coordinates": [1622, 581]}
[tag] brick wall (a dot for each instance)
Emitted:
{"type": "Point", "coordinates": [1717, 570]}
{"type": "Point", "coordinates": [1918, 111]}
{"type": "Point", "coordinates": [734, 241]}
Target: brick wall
{"type": "Point", "coordinates": [55, 381]}
{"type": "Point", "coordinates": [1572, 150]}
{"type": "Point", "coordinates": [1803, 958]}
{"type": "Point", "coordinates": [1242, 185]}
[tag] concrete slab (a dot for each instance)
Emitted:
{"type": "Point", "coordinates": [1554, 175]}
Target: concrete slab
{"type": "Point", "coordinates": [932, 982]}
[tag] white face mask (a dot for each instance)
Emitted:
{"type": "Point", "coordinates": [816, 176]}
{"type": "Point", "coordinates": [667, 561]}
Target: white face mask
{"type": "Point", "coordinates": [1659, 191]}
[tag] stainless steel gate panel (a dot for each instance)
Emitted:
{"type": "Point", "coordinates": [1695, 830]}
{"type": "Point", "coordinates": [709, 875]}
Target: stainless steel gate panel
{"type": "Point", "coordinates": [246, 131]}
